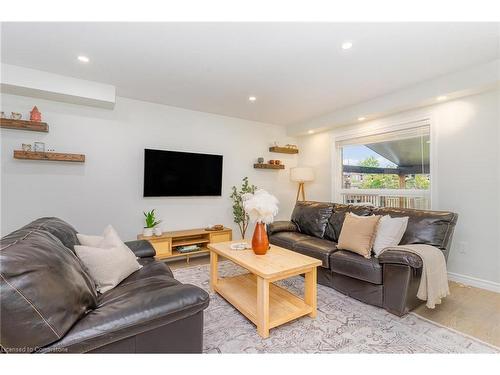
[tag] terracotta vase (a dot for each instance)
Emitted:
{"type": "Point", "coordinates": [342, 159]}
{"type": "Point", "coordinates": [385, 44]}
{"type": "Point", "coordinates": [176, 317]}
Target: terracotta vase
{"type": "Point", "coordinates": [260, 242]}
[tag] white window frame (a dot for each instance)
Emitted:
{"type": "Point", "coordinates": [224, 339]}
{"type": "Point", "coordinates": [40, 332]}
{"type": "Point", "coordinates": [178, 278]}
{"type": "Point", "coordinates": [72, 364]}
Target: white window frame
{"type": "Point", "coordinates": [384, 126]}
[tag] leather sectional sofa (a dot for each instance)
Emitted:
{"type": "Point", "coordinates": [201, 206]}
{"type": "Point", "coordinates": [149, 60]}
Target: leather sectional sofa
{"type": "Point", "coordinates": [48, 302]}
{"type": "Point", "coordinates": [390, 281]}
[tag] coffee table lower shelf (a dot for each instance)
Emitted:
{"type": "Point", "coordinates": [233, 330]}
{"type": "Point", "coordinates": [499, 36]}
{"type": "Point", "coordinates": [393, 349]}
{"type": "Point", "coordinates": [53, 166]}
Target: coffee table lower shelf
{"type": "Point", "coordinates": [241, 292]}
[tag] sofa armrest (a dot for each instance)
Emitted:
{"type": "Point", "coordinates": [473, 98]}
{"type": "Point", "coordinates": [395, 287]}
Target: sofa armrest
{"type": "Point", "coordinates": [400, 257]}
{"type": "Point", "coordinates": [281, 226]}
{"type": "Point", "coordinates": [141, 248]}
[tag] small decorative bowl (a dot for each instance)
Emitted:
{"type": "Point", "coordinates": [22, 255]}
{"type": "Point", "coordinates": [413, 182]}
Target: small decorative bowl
{"type": "Point", "coordinates": [26, 147]}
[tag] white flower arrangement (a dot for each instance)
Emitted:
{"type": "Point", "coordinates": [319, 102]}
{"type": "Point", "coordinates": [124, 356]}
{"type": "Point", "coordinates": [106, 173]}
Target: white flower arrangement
{"type": "Point", "coordinates": [261, 206]}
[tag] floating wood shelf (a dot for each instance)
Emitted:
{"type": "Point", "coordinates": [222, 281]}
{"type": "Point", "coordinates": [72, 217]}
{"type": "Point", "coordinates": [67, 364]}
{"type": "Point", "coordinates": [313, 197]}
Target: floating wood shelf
{"type": "Point", "coordinates": [51, 156]}
{"type": "Point", "coordinates": [268, 166]}
{"type": "Point", "coordinates": [35, 126]}
{"type": "Point", "coordinates": [284, 150]}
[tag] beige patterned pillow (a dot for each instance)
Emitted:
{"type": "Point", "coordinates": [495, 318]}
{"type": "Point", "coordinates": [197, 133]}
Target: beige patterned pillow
{"type": "Point", "coordinates": [358, 233]}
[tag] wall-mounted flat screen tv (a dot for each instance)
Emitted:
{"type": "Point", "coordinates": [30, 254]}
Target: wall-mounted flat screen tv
{"type": "Point", "coordinates": [181, 174]}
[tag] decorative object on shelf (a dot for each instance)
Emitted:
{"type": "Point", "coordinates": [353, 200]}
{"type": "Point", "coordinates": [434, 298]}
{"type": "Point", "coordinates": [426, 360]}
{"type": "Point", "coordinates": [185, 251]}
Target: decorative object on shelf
{"type": "Point", "coordinates": [271, 161]}
{"type": "Point", "coordinates": [26, 147]}
{"type": "Point", "coordinates": [277, 162]}
{"type": "Point", "coordinates": [260, 160]}
{"type": "Point", "coordinates": [151, 222]}
{"type": "Point", "coordinates": [16, 116]}
{"type": "Point", "coordinates": [2, 114]}
{"type": "Point", "coordinates": [240, 246]}
{"type": "Point", "coordinates": [293, 147]}
{"type": "Point", "coordinates": [301, 175]}
{"type": "Point", "coordinates": [261, 207]}
{"type": "Point", "coordinates": [39, 147]}
{"type": "Point", "coordinates": [215, 227]}
{"type": "Point", "coordinates": [35, 115]}
{"type": "Point", "coordinates": [240, 216]}
{"type": "Point", "coordinates": [268, 166]}
{"type": "Point", "coordinates": [157, 231]}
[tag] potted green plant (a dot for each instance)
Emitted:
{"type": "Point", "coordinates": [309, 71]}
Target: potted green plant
{"type": "Point", "coordinates": [151, 222]}
{"type": "Point", "coordinates": [240, 216]}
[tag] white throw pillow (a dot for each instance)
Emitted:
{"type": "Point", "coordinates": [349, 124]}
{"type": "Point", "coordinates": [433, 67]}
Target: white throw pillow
{"type": "Point", "coordinates": [108, 267]}
{"type": "Point", "coordinates": [108, 239]}
{"type": "Point", "coordinates": [112, 263]}
{"type": "Point", "coordinates": [390, 231]}
{"type": "Point", "coordinates": [88, 240]}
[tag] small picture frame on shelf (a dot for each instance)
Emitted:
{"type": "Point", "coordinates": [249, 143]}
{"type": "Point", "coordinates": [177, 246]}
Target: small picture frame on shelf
{"type": "Point", "coordinates": [39, 147]}
{"type": "Point", "coordinates": [26, 147]}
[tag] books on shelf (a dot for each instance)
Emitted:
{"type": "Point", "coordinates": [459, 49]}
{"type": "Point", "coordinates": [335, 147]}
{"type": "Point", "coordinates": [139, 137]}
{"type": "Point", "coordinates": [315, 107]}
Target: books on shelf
{"type": "Point", "coordinates": [188, 248]}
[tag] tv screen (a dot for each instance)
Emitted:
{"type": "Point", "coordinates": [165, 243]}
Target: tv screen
{"type": "Point", "coordinates": [181, 174]}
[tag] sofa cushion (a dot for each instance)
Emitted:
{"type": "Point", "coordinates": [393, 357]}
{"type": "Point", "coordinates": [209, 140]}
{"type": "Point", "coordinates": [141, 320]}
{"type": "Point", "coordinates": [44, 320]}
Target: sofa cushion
{"type": "Point", "coordinates": [318, 248]}
{"type": "Point", "coordinates": [281, 226]}
{"type": "Point", "coordinates": [358, 233]}
{"type": "Point", "coordinates": [44, 290]}
{"type": "Point", "coordinates": [356, 266]}
{"type": "Point", "coordinates": [311, 217]}
{"type": "Point", "coordinates": [137, 305]}
{"type": "Point", "coordinates": [336, 220]}
{"type": "Point", "coordinates": [287, 239]}
{"type": "Point", "coordinates": [59, 228]}
{"type": "Point", "coordinates": [433, 228]}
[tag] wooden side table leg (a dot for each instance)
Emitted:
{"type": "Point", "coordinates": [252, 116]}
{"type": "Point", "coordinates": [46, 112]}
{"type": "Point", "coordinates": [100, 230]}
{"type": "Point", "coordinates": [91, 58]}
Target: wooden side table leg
{"type": "Point", "coordinates": [262, 307]}
{"type": "Point", "coordinates": [311, 291]}
{"type": "Point", "coordinates": [214, 271]}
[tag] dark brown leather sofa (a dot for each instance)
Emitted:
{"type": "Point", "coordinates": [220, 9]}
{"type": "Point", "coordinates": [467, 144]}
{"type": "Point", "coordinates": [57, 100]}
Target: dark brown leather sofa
{"type": "Point", "coordinates": [48, 302]}
{"type": "Point", "coordinates": [390, 281]}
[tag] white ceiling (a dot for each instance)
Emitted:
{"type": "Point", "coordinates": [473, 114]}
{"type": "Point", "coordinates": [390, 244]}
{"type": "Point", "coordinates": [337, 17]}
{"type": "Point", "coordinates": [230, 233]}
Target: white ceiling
{"type": "Point", "coordinates": [297, 71]}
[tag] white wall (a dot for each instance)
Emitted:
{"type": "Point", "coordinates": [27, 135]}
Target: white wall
{"type": "Point", "coordinates": [107, 188]}
{"type": "Point", "coordinates": [466, 177]}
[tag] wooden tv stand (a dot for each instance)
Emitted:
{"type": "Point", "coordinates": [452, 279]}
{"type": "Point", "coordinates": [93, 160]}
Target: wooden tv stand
{"type": "Point", "coordinates": [165, 245]}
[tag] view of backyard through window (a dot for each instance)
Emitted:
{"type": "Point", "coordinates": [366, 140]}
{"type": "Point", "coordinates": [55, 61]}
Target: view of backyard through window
{"type": "Point", "coordinates": [391, 169]}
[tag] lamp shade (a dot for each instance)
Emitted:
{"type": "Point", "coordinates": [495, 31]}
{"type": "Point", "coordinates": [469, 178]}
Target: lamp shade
{"type": "Point", "coordinates": [301, 174]}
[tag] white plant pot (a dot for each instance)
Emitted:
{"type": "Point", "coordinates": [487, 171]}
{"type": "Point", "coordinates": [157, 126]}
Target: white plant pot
{"type": "Point", "coordinates": [147, 232]}
{"type": "Point", "coordinates": [157, 232]}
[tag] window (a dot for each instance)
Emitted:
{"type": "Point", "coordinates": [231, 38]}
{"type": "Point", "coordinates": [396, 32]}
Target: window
{"type": "Point", "coordinates": [389, 169]}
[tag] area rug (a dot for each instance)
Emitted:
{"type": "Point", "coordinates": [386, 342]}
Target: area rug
{"type": "Point", "coordinates": [343, 325]}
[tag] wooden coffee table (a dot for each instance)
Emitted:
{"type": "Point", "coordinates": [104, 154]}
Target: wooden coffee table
{"type": "Point", "coordinates": [254, 294]}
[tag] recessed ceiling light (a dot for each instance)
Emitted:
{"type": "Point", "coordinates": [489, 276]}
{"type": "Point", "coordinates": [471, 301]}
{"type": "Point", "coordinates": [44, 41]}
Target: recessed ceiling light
{"type": "Point", "coordinates": [361, 118]}
{"type": "Point", "coordinates": [441, 98]}
{"type": "Point", "coordinates": [83, 59]}
{"type": "Point", "coordinates": [346, 45]}
{"type": "Point", "coordinates": [252, 98]}
{"type": "Point", "coordinates": [310, 131]}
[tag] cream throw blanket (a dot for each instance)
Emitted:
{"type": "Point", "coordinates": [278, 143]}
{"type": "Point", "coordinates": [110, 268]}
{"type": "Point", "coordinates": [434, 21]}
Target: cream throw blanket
{"type": "Point", "coordinates": [434, 282]}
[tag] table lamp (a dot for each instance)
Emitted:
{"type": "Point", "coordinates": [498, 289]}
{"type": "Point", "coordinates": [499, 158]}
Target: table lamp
{"type": "Point", "coordinates": [301, 175]}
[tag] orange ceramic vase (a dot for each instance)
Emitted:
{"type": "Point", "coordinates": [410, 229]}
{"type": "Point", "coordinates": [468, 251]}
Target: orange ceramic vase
{"type": "Point", "coordinates": [260, 242]}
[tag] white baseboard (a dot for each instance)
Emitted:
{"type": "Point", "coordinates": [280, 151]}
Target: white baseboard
{"type": "Point", "coordinates": [475, 282]}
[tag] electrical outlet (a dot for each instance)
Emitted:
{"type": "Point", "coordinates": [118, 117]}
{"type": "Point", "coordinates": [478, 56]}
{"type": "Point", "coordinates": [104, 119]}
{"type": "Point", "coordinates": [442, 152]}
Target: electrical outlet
{"type": "Point", "coordinates": [462, 247]}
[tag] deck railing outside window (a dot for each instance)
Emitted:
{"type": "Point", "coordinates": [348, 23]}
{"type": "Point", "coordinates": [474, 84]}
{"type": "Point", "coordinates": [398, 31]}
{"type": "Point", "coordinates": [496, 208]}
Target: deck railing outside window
{"type": "Point", "coordinates": [419, 200]}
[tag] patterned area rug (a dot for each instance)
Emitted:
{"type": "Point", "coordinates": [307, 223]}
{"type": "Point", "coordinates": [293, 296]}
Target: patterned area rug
{"type": "Point", "coordinates": [343, 325]}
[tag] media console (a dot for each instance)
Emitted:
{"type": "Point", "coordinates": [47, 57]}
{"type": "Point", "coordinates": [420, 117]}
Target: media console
{"type": "Point", "coordinates": [166, 245]}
